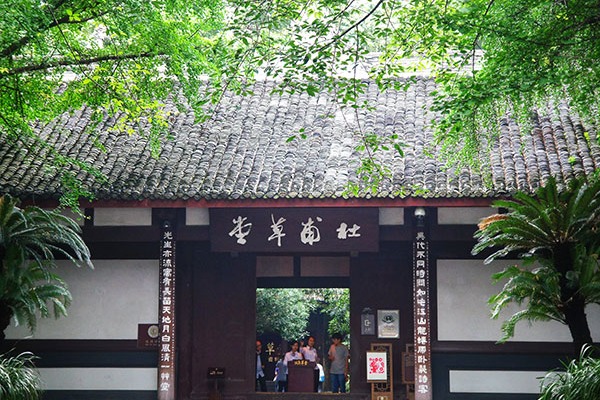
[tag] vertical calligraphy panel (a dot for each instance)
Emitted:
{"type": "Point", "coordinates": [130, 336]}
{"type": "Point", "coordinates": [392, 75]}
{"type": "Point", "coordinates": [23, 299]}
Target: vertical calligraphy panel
{"type": "Point", "coordinates": [422, 336]}
{"type": "Point", "coordinates": [166, 314]}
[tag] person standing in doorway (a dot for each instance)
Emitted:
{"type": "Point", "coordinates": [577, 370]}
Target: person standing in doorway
{"type": "Point", "coordinates": [281, 375]}
{"type": "Point", "coordinates": [338, 371]}
{"type": "Point", "coordinates": [310, 354]}
{"type": "Point", "coordinates": [293, 354]}
{"type": "Point", "coordinates": [261, 361]}
{"type": "Point", "coordinates": [321, 378]}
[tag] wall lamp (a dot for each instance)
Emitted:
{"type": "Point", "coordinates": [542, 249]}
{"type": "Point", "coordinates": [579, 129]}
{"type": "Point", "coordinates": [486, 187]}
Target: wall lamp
{"type": "Point", "coordinates": [420, 214]}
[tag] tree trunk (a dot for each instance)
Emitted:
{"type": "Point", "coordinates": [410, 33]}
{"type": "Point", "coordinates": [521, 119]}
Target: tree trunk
{"type": "Point", "coordinates": [573, 304]}
{"type": "Point", "coordinates": [577, 322]}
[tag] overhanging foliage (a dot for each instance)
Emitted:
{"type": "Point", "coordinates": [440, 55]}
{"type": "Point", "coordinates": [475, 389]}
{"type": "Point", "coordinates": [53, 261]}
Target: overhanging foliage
{"type": "Point", "coordinates": [124, 59]}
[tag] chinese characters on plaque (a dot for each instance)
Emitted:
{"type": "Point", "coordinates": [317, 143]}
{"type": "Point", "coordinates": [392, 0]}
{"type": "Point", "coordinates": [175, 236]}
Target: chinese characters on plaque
{"type": "Point", "coordinates": [422, 345]}
{"type": "Point", "coordinates": [297, 229]}
{"type": "Point", "coordinates": [270, 351]}
{"type": "Point", "coordinates": [166, 326]}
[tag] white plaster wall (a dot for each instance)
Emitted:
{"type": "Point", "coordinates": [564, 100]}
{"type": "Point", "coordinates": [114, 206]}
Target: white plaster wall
{"type": "Point", "coordinates": [463, 288]}
{"type": "Point", "coordinates": [197, 216]}
{"type": "Point", "coordinates": [495, 381]}
{"type": "Point", "coordinates": [463, 215]}
{"type": "Point", "coordinates": [391, 216]}
{"type": "Point", "coordinates": [108, 302]}
{"type": "Point", "coordinates": [98, 378]}
{"type": "Point", "coordinates": [125, 216]}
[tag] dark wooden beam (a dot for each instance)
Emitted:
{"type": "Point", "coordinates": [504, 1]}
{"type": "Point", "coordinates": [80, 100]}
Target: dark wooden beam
{"type": "Point", "coordinates": [303, 282]}
{"type": "Point", "coordinates": [128, 234]}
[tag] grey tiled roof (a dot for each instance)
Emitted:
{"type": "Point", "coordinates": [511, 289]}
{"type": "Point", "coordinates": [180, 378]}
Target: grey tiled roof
{"type": "Point", "coordinates": [242, 152]}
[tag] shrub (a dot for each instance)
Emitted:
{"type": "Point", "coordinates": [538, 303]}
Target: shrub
{"type": "Point", "coordinates": [19, 379]}
{"type": "Point", "coordinates": [579, 381]}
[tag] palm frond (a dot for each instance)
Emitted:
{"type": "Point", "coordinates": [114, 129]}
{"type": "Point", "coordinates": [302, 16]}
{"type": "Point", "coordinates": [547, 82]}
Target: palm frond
{"type": "Point", "coordinates": [32, 290]}
{"type": "Point", "coordinates": [557, 228]}
{"type": "Point", "coordinates": [30, 241]}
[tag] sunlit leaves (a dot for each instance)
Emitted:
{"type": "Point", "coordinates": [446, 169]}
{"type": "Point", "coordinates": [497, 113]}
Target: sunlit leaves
{"type": "Point", "coordinates": [490, 59]}
{"type": "Point", "coordinates": [286, 311]}
{"type": "Point", "coordinates": [127, 59]}
{"type": "Point", "coordinates": [123, 60]}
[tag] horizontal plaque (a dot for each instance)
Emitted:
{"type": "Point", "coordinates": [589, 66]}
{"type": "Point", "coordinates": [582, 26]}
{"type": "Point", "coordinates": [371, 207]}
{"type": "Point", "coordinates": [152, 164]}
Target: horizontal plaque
{"type": "Point", "coordinates": [295, 229]}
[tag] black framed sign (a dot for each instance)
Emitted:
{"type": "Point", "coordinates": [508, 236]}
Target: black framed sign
{"type": "Point", "coordinates": [294, 229]}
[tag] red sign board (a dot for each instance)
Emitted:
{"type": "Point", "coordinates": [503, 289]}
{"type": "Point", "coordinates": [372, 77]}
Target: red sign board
{"type": "Point", "coordinates": [295, 229]}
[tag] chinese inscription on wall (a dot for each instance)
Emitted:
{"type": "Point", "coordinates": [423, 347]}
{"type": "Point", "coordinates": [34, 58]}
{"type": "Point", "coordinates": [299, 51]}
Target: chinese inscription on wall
{"type": "Point", "coordinates": [295, 229]}
{"type": "Point", "coordinates": [166, 334]}
{"type": "Point", "coordinates": [421, 312]}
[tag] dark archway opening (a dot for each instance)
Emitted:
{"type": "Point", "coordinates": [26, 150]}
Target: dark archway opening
{"type": "Point", "coordinates": [317, 288]}
{"type": "Point", "coordinates": [286, 315]}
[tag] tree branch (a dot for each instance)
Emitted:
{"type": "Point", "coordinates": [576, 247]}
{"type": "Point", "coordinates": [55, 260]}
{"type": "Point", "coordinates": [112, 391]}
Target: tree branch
{"type": "Point", "coordinates": [17, 45]}
{"type": "Point", "coordinates": [88, 61]}
{"type": "Point", "coordinates": [354, 25]}
{"type": "Point", "coordinates": [487, 10]}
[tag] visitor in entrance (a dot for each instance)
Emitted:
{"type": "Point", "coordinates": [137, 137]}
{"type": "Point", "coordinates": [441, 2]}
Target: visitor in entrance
{"type": "Point", "coordinates": [338, 371]}
{"type": "Point", "coordinates": [321, 378]}
{"type": "Point", "coordinates": [281, 375]}
{"type": "Point", "coordinates": [310, 354]}
{"type": "Point", "coordinates": [293, 354]}
{"type": "Point", "coordinates": [261, 361]}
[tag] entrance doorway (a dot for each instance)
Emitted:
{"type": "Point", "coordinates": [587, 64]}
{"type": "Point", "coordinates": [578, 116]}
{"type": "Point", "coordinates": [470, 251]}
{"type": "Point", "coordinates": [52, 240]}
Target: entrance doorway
{"type": "Point", "coordinates": [218, 311]}
{"type": "Point", "coordinates": [288, 315]}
